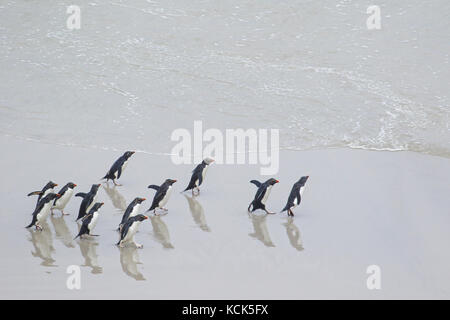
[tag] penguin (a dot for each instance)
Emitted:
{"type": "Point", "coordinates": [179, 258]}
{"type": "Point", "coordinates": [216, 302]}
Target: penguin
{"type": "Point", "coordinates": [45, 190]}
{"type": "Point", "coordinates": [129, 230]}
{"type": "Point", "coordinates": [42, 210]}
{"type": "Point", "coordinates": [118, 167]}
{"type": "Point", "coordinates": [88, 200]}
{"type": "Point", "coordinates": [259, 202]}
{"type": "Point", "coordinates": [198, 175]}
{"type": "Point", "coordinates": [162, 194]}
{"type": "Point", "coordinates": [66, 193]}
{"type": "Point", "coordinates": [131, 211]}
{"type": "Point", "coordinates": [90, 221]}
{"type": "Point", "coordinates": [295, 197]}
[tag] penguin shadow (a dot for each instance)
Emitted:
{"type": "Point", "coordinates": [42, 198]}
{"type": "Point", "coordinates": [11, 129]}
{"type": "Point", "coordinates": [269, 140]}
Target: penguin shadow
{"type": "Point", "coordinates": [161, 232]}
{"type": "Point", "coordinates": [43, 245]}
{"type": "Point", "coordinates": [198, 214]}
{"type": "Point", "coordinates": [89, 252]}
{"type": "Point", "coordinates": [118, 200]}
{"type": "Point", "coordinates": [62, 231]}
{"type": "Point", "coordinates": [261, 232]}
{"type": "Point", "coordinates": [293, 233]}
{"type": "Point", "coordinates": [129, 259]}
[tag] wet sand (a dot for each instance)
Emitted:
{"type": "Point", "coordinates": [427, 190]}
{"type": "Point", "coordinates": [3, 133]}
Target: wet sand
{"type": "Point", "coordinates": [360, 208]}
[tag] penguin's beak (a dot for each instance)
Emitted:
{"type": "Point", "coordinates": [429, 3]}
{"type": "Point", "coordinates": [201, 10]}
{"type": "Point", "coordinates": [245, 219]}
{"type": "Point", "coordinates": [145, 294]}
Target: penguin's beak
{"type": "Point", "coordinates": [74, 185]}
{"type": "Point", "coordinates": [98, 185]}
{"type": "Point", "coordinates": [143, 199]}
{"type": "Point", "coordinates": [58, 195]}
{"type": "Point", "coordinates": [145, 217]}
{"type": "Point", "coordinates": [276, 181]}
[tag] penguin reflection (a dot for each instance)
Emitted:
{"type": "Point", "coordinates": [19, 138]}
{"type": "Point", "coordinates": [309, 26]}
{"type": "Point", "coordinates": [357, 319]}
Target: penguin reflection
{"type": "Point", "coordinates": [198, 214]}
{"type": "Point", "coordinates": [294, 235]}
{"type": "Point", "coordinates": [62, 231]}
{"type": "Point", "coordinates": [129, 259]}
{"type": "Point", "coordinates": [89, 252]}
{"type": "Point", "coordinates": [43, 245]}
{"type": "Point", "coordinates": [161, 233]}
{"type": "Point", "coordinates": [261, 232]}
{"type": "Point", "coordinates": [118, 200]}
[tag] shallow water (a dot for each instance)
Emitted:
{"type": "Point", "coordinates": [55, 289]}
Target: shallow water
{"type": "Point", "coordinates": [360, 208]}
{"type": "Point", "coordinates": [137, 70]}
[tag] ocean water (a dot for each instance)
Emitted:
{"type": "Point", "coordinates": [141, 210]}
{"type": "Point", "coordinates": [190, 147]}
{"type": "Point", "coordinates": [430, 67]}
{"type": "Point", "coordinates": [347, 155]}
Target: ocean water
{"type": "Point", "coordinates": [137, 70]}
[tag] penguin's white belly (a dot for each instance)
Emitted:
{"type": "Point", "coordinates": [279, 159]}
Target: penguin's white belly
{"type": "Point", "coordinates": [135, 211]}
{"type": "Point", "coordinates": [266, 195]}
{"type": "Point", "coordinates": [62, 202]}
{"type": "Point", "coordinates": [166, 197]}
{"type": "Point", "coordinates": [302, 189]}
{"type": "Point", "coordinates": [92, 204]}
{"type": "Point", "coordinates": [124, 166]}
{"type": "Point", "coordinates": [93, 222]}
{"type": "Point", "coordinates": [204, 173]}
{"type": "Point", "coordinates": [46, 192]}
{"type": "Point", "coordinates": [131, 232]}
{"type": "Point", "coordinates": [295, 202]}
{"type": "Point", "coordinates": [43, 214]}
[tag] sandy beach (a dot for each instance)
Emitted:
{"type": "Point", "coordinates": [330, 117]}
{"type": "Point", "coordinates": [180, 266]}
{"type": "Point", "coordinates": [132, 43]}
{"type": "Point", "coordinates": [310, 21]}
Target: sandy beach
{"type": "Point", "coordinates": [360, 208]}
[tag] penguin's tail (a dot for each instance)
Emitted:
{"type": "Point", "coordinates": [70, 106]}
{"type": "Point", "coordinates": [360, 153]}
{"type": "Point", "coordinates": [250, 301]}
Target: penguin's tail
{"type": "Point", "coordinates": [77, 236]}
{"type": "Point", "coordinates": [285, 208]}
{"type": "Point", "coordinates": [109, 176]}
{"type": "Point", "coordinates": [30, 225]}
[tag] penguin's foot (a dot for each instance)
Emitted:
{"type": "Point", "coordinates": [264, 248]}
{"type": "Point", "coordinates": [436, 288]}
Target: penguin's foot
{"type": "Point", "coordinates": [38, 227]}
{"type": "Point", "coordinates": [121, 245]}
{"type": "Point", "coordinates": [117, 184]}
{"type": "Point", "coordinates": [94, 235]}
{"type": "Point", "coordinates": [164, 209]}
{"type": "Point", "coordinates": [268, 212]}
{"type": "Point", "coordinates": [139, 246]}
{"type": "Point", "coordinates": [65, 214]}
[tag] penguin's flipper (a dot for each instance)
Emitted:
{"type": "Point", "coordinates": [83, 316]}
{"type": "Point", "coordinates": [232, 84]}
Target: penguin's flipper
{"type": "Point", "coordinates": [119, 172]}
{"type": "Point", "coordinates": [256, 183]}
{"type": "Point", "coordinates": [35, 193]}
{"type": "Point", "coordinates": [153, 186]}
{"type": "Point", "coordinates": [81, 194]}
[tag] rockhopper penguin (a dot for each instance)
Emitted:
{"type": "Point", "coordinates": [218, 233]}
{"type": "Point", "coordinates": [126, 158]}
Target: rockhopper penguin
{"type": "Point", "coordinates": [259, 202]}
{"type": "Point", "coordinates": [162, 194]}
{"type": "Point", "coordinates": [42, 210]}
{"type": "Point", "coordinates": [88, 200]}
{"type": "Point", "coordinates": [118, 167]}
{"type": "Point", "coordinates": [66, 193]}
{"type": "Point", "coordinates": [90, 221]}
{"type": "Point", "coordinates": [45, 190]}
{"type": "Point", "coordinates": [198, 175]}
{"type": "Point", "coordinates": [129, 230]}
{"type": "Point", "coordinates": [295, 197]}
{"type": "Point", "coordinates": [131, 211]}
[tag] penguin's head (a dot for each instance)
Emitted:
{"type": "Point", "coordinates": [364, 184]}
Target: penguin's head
{"type": "Point", "coordinates": [303, 180]}
{"type": "Point", "coordinates": [140, 217]}
{"type": "Point", "coordinates": [208, 160]}
{"type": "Point", "coordinates": [95, 187]}
{"type": "Point", "coordinates": [51, 184]}
{"type": "Point", "coordinates": [170, 181]}
{"type": "Point", "coordinates": [128, 154]}
{"type": "Point", "coordinates": [272, 181]}
{"type": "Point", "coordinates": [97, 206]}
{"type": "Point", "coordinates": [140, 200]}
{"type": "Point", "coordinates": [71, 185]}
